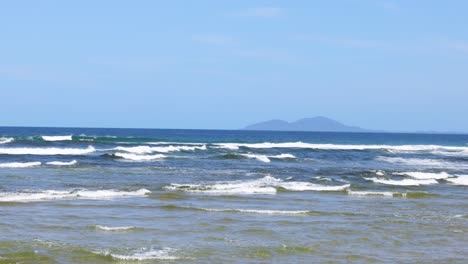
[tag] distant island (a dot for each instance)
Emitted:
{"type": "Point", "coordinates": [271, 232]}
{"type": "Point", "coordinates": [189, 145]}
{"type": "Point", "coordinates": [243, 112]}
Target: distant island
{"type": "Point", "coordinates": [318, 123]}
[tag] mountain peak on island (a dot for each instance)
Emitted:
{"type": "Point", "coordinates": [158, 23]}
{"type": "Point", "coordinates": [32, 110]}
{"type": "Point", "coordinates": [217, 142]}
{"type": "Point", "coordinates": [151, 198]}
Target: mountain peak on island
{"type": "Point", "coordinates": [318, 123]}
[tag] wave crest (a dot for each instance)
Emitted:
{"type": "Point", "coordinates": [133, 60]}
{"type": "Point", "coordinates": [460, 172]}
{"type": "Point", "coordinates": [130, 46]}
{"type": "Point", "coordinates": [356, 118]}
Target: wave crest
{"type": "Point", "coordinates": [265, 185]}
{"type": "Point", "coordinates": [47, 151]}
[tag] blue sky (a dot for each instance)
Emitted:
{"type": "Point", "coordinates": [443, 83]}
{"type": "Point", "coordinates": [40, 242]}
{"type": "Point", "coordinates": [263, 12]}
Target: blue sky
{"type": "Point", "coordinates": [392, 65]}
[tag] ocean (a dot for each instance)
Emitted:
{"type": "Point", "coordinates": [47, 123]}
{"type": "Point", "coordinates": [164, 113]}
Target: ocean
{"type": "Point", "coordinates": [78, 195]}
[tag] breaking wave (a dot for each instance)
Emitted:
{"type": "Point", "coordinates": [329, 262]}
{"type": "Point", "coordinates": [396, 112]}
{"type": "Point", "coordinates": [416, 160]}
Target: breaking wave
{"type": "Point", "coordinates": [57, 138]}
{"type": "Point", "coordinates": [62, 163]}
{"type": "Point", "coordinates": [424, 175]}
{"type": "Point", "coordinates": [418, 162]}
{"type": "Point", "coordinates": [20, 164]}
{"type": "Point", "coordinates": [135, 157]}
{"type": "Point", "coordinates": [115, 228]}
{"type": "Point", "coordinates": [302, 145]}
{"type": "Point", "coordinates": [459, 180]}
{"type": "Point", "coordinates": [5, 140]}
{"type": "Point", "coordinates": [265, 185]}
{"type": "Point", "coordinates": [404, 182]}
{"type": "Point", "coordinates": [47, 151]}
{"type": "Point", "coordinates": [143, 254]}
{"type": "Point", "coordinates": [236, 210]}
{"type": "Point", "coordinates": [161, 149]}
{"type": "Point", "coordinates": [48, 195]}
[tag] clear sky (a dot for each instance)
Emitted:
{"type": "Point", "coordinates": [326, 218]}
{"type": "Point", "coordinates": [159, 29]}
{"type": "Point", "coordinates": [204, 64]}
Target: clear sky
{"type": "Point", "coordinates": [391, 65]}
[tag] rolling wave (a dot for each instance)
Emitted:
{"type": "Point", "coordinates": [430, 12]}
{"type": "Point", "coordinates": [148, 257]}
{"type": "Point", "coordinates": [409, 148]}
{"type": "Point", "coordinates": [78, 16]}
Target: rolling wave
{"type": "Point", "coordinates": [143, 254]}
{"type": "Point", "coordinates": [47, 151]}
{"type": "Point", "coordinates": [265, 185]}
{"type": "Point", "coordinates": [404, 182]}
{"type": "Point", "coordinates": [62, 163]}
{"type": "Point", "coordinates": [162, 149]}
{"type": "Point", "coordinates": [115, 228]}
{"type": "Point", "coordinates": [459, 180]}
{"type": "Point", "coordinates": [20, 164]}
{"type": "Point", "coordinates": [134, 157]}
{"type": "Point", "coordinates": [236, 210]}
{"type": "Point", "coordinates": [5, 140]}
{"type": "Point", "coordinates": [302, 145]}
{"type": "Point", "coordinates": [49, 195]}
{"type": "Point", "coordinates": [424, 175]}
{"type": "Point", "coordinates": [57, 138]}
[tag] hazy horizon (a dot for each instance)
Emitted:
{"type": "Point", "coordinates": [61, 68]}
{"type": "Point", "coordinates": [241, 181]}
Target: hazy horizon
{"type": "Point", "coordinates": [382, 65]}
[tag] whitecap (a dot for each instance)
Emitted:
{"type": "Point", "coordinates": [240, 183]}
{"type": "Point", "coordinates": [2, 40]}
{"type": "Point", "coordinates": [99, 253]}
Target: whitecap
{"type": "Point", "coordinates": [144, 254]}
{"type": "Point", "coordinates": [115, 228]}
{"type": "Point", "coordinates": [424, 175]}
{"type": "Point", "coordinates": [134, 157]}
{"type": "Point", "coordinates": [20, 164]}
{"type": "Point", "coordinates": [262, 158]}
{"type": "Point", "coordinates": [459, 180]}
{"type": "Point", "coordinates": [395, 148]}
{"type": "Point", "coordinates": [418, 162]}
{"type": "Point", "coordinates": [370, 193]}
{"type": "Point", "coordinates": [162, 149]}
{"type": "Point", "coordinates": [5, 140]}
{"type": "Point", "coordinates": [265, 185]}
{"type": "Point", "coordinates": [62, 163]}
{"type": "Point", "coordinates": [251, 211]}
{"type": "Point", "coordinates": [265, 158]}
{"type": "Point", "coordinates": [47, 151]}
{"type": "Point", "coordinates": [57, 138]}
{"type": "Point", "coordinates": [29, 196]}
{"type": "Point", "coordinates": [404, 182]}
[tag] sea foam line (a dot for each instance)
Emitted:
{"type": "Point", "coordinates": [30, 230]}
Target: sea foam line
{"type": "Point", "coordinates": [265, 158]}
{"type": "Point", "coordinates": [404, 182]}
{"type": "Point", "coordinates": [62, 163]}
{"type": "Point", "coordinates": [57, 138]}
{"type": "Point", "coordinates": [47, 151]}
{"type": "Point", "coordinates": [115, 228]}
{"type": "Point", "coordinates": [134, 157]}
{"type": "Point", "coordinates": [5, 140]}
{"type": "Point", "coordinates": [162, 149]}
{"type": "Point", "coordinates": [267, 145]}
{"type": "Point", "coordinates": [424, 175]}
{"type": "Point", "coordinates": [265, 185]}
{"type": "Point", "coordinates": [144, 254]}
{"type": "Point", "coordinates": [20, 164]}
{"type": "Point", "coordinates": [60, 195]}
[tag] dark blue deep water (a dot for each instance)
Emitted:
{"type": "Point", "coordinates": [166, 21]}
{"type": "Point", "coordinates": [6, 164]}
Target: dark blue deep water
{"type": "Point", "coordinates": [78, 195]}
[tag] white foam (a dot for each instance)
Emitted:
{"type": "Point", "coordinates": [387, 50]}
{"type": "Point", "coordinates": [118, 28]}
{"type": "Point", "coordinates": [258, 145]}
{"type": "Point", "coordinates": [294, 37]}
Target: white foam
{"type": "Point", "coordinates": [265, 185]}
{"type": "Point", "coordinates": [62, 163]}
{"type": "Point", "coordinates": [162, 149]}
{"type": "Point", "coordinates": [5, 140]}
{"type": "Point", "coordinates": [115, 228]}
{"type": "Point", "coordinates": [380, 173]}
{"type": "Point", "coordinates": [370, 193]}
{"type": "Point", "coordinates": [418, 162]}
{"type": "Point", "coordinates": [404, 182]}
{"type": "Point", "coordinates": [134, 157]}
{"type": "Point", "coordinates": [20, 164]}
{"type": "Point", "coordinates": [60, 195]}
{"type": "Point", "coordinates": [144, 254]}
{"type": "Point", "coordinates": [265, 158]}
{"type": "Point", "coordinates": [57, 138]}
{"type": "Point", "coordinates": [459, 180]}
{"type": "Point", "coordinates": [262, 158]}
{"type": "Point", "coordinates": [252, 211]}
{"type": "Point", "coordinates": [266, 145]}
{"type": "Point", "coordinates": [283, 156]}
{"type": "Point", "coordinates": [47, 151]}
{"type": "Point", "coordinates": [424, 175]}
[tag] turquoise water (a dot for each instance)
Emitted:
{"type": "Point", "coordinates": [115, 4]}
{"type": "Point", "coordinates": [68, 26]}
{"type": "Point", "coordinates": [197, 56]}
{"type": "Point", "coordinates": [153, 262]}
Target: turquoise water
{"type": "Point", "coordinates": [199, 196]}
